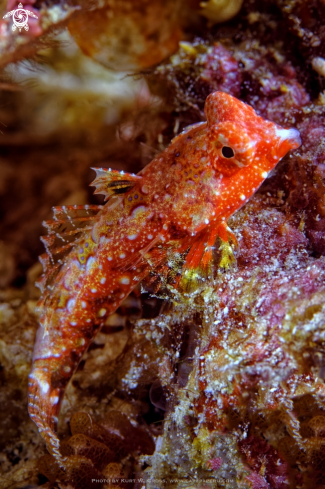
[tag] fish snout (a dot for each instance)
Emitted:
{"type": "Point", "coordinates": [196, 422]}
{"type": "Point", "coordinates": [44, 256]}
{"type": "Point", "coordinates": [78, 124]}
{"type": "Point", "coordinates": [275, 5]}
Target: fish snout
{"type": "Point", "coordinates": [287, 139]}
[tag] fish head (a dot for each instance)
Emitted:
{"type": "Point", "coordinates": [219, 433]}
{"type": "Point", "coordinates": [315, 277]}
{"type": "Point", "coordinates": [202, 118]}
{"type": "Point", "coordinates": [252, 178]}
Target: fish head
{"type": "Point", "coordinates": [241, 141]}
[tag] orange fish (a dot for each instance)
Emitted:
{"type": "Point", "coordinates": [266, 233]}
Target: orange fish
{"type": "Point", "coordinates": [176, 206]}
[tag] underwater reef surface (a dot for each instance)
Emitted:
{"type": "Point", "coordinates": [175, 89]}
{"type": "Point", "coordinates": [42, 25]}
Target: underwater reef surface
{"type": "Point", "coordinates": [222, 386]}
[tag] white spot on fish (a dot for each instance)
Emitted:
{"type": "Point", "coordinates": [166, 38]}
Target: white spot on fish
{"type": "Point", "coordinates": [122, 255]}
{"type": "Point", "coordinates": [94, 291]}
{"type": "Point", "coordinates": [73, 323]}
{"type": "Point", "coordinates": [44, 386]}
{"type": "Point", "coordinates": [70, 304]}
{"type": "Point", "coordinates": [83, 304]}
{"type": "Point", "coordinates": [124, 280]}
{"type": "Point", "coordinates": [131, 237]}
{"type": "Point", "coordinates": [76, 264]}
{"type": "Point", "coordinates": [141, 209]}
{"type": "Point", "coordinates": [104, 241]}
{"type": "Point", "coordinates": [103, 280]}
{"type": "Point", "coordinates": [90, 263]}
{"type": "Point", "coordinates": [242, 197]}
{"type": "Point", "coordinates": [101, 312]}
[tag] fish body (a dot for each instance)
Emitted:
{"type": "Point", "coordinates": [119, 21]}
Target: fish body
{"type": "Point", "coordinates": [178, 204]}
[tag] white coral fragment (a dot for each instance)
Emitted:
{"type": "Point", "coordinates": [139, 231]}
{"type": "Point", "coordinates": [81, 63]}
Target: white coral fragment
{"type": "Point", "coordinates": [218, 11]}
{"type": "Point", "coordinates": [318, 64]}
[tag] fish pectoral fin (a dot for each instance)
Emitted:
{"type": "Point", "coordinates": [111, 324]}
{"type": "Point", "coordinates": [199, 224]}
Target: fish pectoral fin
{"type": "Point", "coordinates": [112, 182]}
{"type": "Point", "coordinates": [198, 261]}
{"type": "Point", "coordinates": [199, 258]}
{"type": "Point", "coordinates": [227, 254]}
{"type": "Point", "coordinates": [224, 233]}
{"type": "Point", "coordinates": [153, 255]}
{"type": "Point", "coordinates": [166, 262]}
{"type": "Point", "coordinates": [162, 261]}
{"type": "Point", "coordinates": [200, 253]}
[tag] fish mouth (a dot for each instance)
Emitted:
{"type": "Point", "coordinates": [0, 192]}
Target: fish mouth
{"type": "Point", "coordinates": [288, 138]}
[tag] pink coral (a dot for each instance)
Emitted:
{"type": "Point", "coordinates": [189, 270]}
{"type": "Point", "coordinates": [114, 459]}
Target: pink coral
{"type": "Point", "coordinates": [257, 481]}
{"type": "Point", "coordinates": [220, 69]}
{"type": "Point", "coordinates": [215, 463]}
{"type": "Point", "coordinates": [263, 458]}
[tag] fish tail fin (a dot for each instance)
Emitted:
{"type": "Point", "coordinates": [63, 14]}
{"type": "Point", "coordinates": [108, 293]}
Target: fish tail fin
{"type": "Point", "coordinates": [44, 409]}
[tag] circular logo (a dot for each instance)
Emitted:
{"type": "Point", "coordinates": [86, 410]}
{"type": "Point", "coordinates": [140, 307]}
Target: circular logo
{"type": "Point", "coordinates": [20, 19]}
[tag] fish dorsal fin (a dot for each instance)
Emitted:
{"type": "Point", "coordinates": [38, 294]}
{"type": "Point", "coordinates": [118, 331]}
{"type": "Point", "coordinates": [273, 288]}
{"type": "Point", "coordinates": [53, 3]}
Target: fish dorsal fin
{"type": "Point", "coordinates": [186, 130]}
{"type": "Point", "coordinates": [68, 225]}
{"type": "Point", "coordinates": [111, 182]}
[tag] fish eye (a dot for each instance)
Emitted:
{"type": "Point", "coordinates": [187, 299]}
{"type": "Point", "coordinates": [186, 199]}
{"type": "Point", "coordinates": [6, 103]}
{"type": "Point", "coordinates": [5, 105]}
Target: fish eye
{"type": "Point", "coordinates": [227, 152]}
